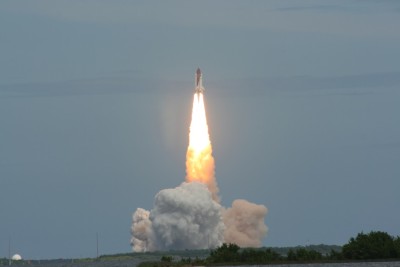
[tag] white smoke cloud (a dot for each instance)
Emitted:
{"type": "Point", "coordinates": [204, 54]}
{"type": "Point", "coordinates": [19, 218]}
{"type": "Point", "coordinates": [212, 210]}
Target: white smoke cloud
{"type": "Point", "coordinates": [187, 217]}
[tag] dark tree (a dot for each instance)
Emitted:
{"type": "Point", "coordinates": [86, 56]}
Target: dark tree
{"type": "Point", "coordinates": [396, 242]}
{"type": "Point", "coordinates": [335, 255]}
{"type": "Point", "coordinates": [303, 254]}
{"type": "Point", "coordinates": [375, 245]}
{"type": "Point", "coordinates": [166, 258]}
{"type": "Point", "coordinates": [225, 253]}
{"type": "Point", "coordinates": [291, 255]}
{"type": "Point", "coordinates": [271, 255]}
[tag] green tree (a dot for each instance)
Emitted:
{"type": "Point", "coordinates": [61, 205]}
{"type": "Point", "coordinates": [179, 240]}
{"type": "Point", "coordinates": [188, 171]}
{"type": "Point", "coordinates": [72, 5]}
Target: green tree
{"type": "Point", "coordinates": [302, 254]}
{"type": "Point", "coordinates": [314, 255]}
{"type": "Point", "coordinates": [225, 253]}
{"type": "Point", "coordinates": [335, 255]}
{"type": "Point", "coordinates": [271, 255]}
{"type": "Point", "coordinates": [166, 258]}
{"type": "Point", "coordinates": [375, 245]}
{"type": "Point", "coordinates": [252, 256]}
{"type": "Point", "coordinates": [396, 242]}
{"type": "Point", "coordinates": [291, 255]}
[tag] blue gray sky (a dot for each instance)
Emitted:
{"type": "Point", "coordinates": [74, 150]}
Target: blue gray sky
{"type": "Point", "coordinates": [303, 103]}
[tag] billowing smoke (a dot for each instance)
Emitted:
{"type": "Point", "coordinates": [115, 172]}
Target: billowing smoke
{"type": "Point", "coordinates": [185, 217]}
{"type": "Point", "coordinates": [190, 216]}
{"type": "Point", "coordinates": [244, 223]}
{"type": "Point", "coordinates": [142, 232]}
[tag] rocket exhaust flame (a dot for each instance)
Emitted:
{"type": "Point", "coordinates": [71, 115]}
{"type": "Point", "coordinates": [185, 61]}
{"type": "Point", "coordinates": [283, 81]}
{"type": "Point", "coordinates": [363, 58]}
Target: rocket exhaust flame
{"type": "Point", "coordinates": [199, 160]}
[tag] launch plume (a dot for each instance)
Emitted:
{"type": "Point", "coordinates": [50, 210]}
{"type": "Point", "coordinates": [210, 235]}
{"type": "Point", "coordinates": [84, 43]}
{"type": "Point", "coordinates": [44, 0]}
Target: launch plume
{"type": "Point", "coordinates": [190, 216]}
{"type": "Point", "coordinates": [199, 160]}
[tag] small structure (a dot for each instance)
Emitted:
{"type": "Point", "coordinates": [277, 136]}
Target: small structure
{"type": "Point", "coordinates": [16, 257]}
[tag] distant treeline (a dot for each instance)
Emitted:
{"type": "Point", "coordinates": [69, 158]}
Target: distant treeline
{"type": "Point", "coordinates": [372, 246]}
{"type": "Point", "coordinates": [363, 247]}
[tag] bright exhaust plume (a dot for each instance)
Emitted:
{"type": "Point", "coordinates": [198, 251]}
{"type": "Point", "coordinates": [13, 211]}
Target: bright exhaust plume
{"type": "Point", "coordinates": [199, 160]}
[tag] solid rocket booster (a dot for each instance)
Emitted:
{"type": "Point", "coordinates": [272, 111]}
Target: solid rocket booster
{"type": "Point", "coordinates": [199, 82]}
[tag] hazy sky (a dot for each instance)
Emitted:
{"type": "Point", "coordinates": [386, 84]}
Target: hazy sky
{"type": "Point", "coordinates": [302, 98]}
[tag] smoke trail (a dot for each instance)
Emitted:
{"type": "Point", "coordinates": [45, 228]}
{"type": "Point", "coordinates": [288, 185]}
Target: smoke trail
{"type": "Point", "coordinates": [199, 160]}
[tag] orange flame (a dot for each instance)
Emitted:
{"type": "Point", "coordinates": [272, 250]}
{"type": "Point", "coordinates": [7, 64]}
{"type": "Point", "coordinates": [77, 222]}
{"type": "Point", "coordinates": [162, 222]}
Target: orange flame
{"type": "Point", "coordinates": [199, 160]}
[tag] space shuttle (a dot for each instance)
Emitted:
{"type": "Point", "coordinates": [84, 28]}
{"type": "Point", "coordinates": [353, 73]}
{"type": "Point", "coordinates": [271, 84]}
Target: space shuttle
{"type": "Point", "coordinates": [198, 82]}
